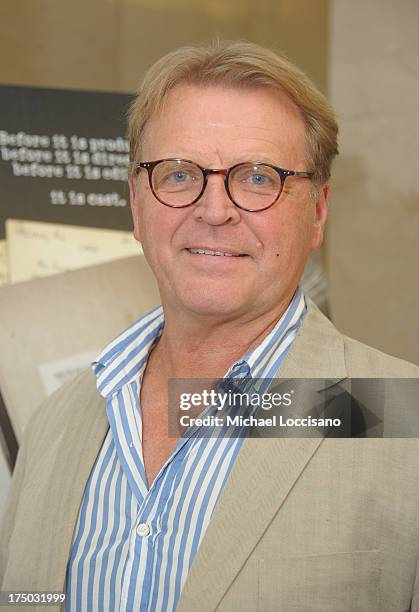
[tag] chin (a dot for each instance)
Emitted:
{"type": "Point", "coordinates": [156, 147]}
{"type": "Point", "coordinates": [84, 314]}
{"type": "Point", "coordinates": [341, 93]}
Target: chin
{"type": "Point", "coordinates": [212, 304]}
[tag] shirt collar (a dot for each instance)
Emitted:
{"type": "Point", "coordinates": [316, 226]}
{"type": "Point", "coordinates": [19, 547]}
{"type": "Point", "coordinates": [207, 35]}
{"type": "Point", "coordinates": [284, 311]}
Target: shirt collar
{"type": "Point", "coordinates": [125, 358]}
{"type": "Point", "coordinates": [257, 360]}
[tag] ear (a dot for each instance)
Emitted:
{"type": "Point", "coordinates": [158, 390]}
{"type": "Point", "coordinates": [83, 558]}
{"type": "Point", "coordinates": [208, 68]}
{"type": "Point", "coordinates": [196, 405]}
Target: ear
{"type": "Point", "coordinates": [321, 208]}
{"type": "Point", "coordinates": [133, 197]}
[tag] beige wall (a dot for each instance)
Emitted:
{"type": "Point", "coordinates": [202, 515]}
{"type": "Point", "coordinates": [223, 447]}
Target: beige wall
{"type": "Point", "coordinates": [106, 45]}
{"type": "Point", "coordinates": [372, 250]}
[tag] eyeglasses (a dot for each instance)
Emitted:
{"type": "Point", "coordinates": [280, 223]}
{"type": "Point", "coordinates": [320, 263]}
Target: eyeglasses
{"type": "Point", "coordinates": [252, 186]}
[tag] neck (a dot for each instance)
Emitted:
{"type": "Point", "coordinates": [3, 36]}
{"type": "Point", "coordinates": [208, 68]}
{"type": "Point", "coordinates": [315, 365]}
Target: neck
{"type": "Point", "coordinates": [195, 347]}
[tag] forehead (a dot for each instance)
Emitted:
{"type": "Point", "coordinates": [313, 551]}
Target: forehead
{"type": "Point", "coordinates": [228, 122]}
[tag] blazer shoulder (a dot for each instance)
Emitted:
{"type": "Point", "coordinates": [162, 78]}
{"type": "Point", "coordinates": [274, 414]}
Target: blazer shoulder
{"type": "Point", "coordinates": [364, 361]}
{"type": "Point", "coordinates": [71, 403]}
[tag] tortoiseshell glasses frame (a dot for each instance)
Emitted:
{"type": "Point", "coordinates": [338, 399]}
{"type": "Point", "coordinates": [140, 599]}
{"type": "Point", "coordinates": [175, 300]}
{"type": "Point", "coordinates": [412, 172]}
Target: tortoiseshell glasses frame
{"type": "Point", "coordinates": [200, 178]}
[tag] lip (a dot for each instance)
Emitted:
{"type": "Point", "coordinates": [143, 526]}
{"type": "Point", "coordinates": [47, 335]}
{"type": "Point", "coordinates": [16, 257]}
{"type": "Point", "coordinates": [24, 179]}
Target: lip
{"type": "Point", "coordinates": [218, 248]}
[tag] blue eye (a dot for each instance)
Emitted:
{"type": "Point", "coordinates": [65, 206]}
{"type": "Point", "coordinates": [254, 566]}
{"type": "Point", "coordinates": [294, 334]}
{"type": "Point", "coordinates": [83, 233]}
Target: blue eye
{"type": "Point", "coordinates": [180, 177]}
{"type": "Point", "coordinates": [259, 179]}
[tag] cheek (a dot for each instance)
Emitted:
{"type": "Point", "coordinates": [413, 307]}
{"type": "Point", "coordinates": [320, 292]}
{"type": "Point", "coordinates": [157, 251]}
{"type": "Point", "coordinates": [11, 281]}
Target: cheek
{"type": "Point", "coordinates": [147, 226]}
{"type": "Point", "coordinates": [147, 230]}
{"type": "Point", "coordinates": [137, 197]}
{"type": "Point", "coordinates": [158, 227]}
{"type": "Point", "coordinates": [289, 238]}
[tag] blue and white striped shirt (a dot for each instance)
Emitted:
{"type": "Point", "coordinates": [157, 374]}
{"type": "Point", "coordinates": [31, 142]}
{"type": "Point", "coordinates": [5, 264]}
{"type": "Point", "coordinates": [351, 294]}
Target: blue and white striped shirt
{"type": "Point", "coordinates": [133, 547]}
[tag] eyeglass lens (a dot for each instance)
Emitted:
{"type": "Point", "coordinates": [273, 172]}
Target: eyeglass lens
{"type": "Point", "coordinates": [251, 186]}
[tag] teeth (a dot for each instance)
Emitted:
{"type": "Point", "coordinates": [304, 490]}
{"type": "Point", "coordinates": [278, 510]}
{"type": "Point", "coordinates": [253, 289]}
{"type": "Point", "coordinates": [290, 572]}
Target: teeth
{"type": "Point", "coordinates": [208, 252]}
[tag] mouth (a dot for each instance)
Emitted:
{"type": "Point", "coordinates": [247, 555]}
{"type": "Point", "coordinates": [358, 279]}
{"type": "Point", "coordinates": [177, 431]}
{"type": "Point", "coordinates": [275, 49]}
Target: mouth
{"type": "Point", "coordinates": [213, 253]}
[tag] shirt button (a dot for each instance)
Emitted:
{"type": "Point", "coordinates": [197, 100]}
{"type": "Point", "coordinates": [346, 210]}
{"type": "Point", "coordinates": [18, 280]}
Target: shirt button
{"type": "Point", "coordinates": [143, 529]}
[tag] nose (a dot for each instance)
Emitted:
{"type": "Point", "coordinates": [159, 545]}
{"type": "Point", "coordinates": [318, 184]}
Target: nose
{"type": "Point", "coordinates": [214, 206]}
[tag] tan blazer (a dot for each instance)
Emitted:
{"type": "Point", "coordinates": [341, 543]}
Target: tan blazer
{"type": "Point", "coordinates": [325, 525]}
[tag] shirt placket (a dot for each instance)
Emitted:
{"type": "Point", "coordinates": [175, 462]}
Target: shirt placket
{"type": "Point", "coordinates": [126, 426]}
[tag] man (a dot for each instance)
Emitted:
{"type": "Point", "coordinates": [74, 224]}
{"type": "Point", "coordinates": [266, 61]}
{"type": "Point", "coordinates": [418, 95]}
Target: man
{"type": "Point", "coordinates": [231, 148]}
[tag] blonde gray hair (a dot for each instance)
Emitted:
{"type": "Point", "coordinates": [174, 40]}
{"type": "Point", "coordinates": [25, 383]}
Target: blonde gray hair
{"type": "Point", "coordinates": [242, 65]}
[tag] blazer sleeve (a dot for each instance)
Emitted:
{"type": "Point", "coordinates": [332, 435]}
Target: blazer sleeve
{"type": "Point", "coordinates": [414, 606]}
{"type": "Point", "coordinates": [12, 502]}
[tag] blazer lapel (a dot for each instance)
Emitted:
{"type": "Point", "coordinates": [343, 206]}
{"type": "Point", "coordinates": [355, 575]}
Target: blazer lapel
{"type": "Point", "coordinates": [263, 474]}
{"type": "Point", "coordinates": [317, 351]}
{"type": "Point", "coordinates": [88, 441]}
{"type": "Point", "coordinates": [65, 466]}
